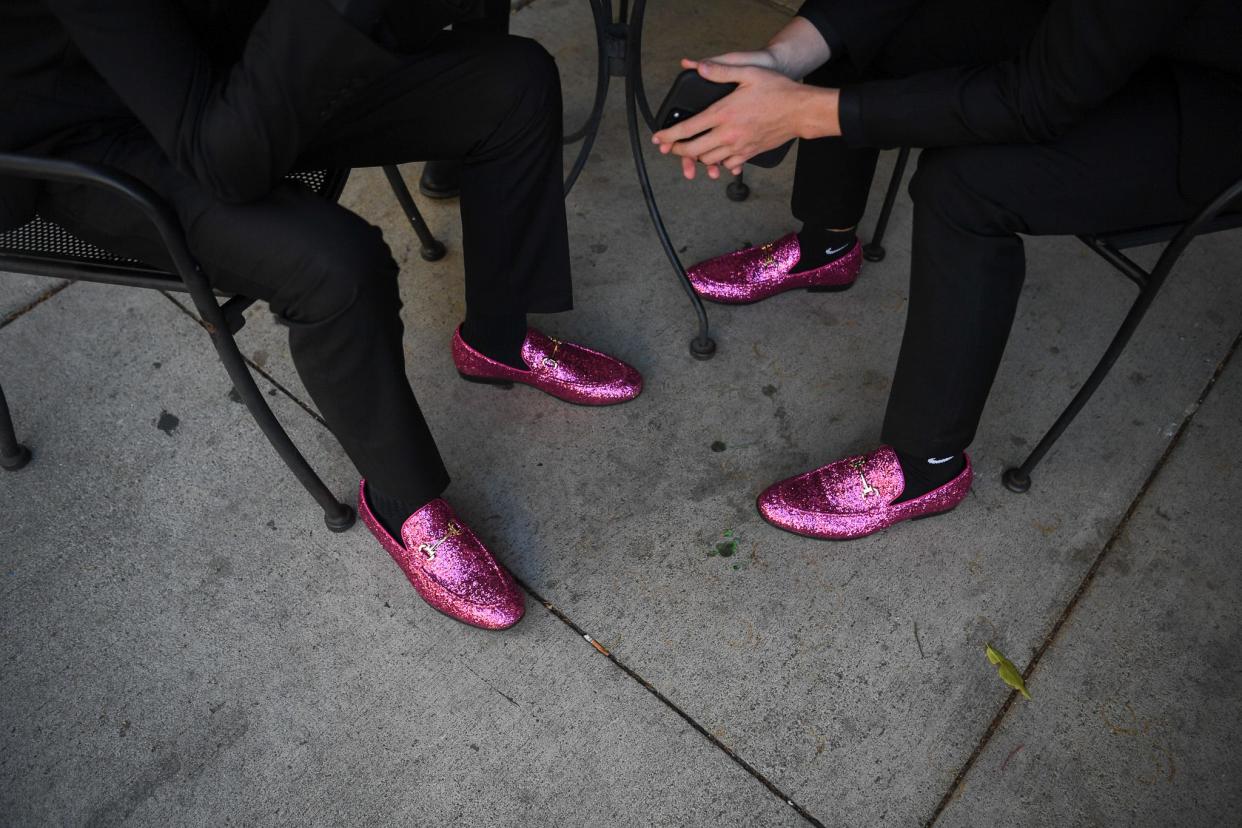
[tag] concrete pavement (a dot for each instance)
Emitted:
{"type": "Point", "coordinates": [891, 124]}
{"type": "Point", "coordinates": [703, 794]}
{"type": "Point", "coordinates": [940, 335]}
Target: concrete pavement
{"type": "Point", "coordinates": [184, 643]}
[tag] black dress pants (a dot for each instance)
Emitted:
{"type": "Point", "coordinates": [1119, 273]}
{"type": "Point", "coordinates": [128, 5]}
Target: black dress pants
{"type": "Point", "coordinates": [493, 20]}
{"type": "Point", "coordinates": [1116, 168]}
{"type": "Point", "coordinates": [491, 100]}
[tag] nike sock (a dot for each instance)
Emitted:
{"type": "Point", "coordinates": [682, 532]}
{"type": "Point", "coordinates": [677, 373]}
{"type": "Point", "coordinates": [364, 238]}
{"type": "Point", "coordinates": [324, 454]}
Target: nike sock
{"type": "Point", "coordinates": [924, 474]}
{"type": "Point", "coordinates": [821, 246]}
{"type": "Point", "coordinates": [497, 337]}
{"type": "Point", "coordinates": [392, 513]}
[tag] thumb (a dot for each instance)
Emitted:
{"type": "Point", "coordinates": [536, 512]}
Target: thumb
{"type": "Point", "coordinates": [720, 73]}
{"type": "Point", "coordinates": [734, 59]}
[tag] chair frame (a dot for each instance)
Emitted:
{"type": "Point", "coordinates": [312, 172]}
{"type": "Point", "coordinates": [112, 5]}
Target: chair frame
{"type": "Point", "coordinates": [221, 319]}
{"type": "Point", "coordinates": [1214, 217]}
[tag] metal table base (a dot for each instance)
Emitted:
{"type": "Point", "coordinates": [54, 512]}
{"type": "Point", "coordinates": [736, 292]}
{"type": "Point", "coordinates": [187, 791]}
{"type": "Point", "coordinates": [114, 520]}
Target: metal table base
{"type": "Point", "coordinates": [619, 38]}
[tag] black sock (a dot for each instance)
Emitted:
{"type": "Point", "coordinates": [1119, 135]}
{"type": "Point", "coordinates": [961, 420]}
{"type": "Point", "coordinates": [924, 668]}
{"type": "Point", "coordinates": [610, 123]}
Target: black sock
{"type": "Point", "coordinates": [497, 337]}
{"type": "Point", "coordinates": [924, 474]}
{"type": "Point", "coordinates": [391, 512]}
{"type": "Point", "coordinates": [821, 246]}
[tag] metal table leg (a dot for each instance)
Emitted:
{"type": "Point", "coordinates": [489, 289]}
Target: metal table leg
{"type": "Point", "coordinates": [619, 40]}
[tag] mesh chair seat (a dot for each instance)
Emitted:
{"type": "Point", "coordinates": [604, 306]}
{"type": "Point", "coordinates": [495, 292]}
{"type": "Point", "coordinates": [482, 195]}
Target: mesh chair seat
{"type": "Point", "coordinates": [43, 239]}
{"type": "Point", "coordinates": [40, 240]}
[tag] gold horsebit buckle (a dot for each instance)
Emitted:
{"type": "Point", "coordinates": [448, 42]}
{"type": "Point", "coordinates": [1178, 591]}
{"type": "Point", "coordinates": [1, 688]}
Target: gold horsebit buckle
{"type": "Point", "coordinates": [548, 361]}
{"type": "Point", "coordinates": [867, 489]}
{"type": "Point", "coordinates": [769, 259]}
{"type": "Point", "coordinates": [429, 549]}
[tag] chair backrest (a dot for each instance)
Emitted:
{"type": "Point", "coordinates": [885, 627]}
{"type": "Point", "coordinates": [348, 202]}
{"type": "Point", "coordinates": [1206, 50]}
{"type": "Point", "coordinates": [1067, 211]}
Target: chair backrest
{"type": "Point", "coordinates": [44, 248]}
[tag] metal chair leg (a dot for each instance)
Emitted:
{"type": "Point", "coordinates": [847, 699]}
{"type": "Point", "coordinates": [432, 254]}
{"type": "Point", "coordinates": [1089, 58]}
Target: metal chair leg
{"type": "Point", "coordinates": [432, 248]}
{"type": "Point", "coordinates": [13, 455]}
{"type": "Point", "coordinates": [873, 251]}
{"type": "Point", "coordinates": [337, 516]}
{"type": "Point", "coordinates": [1018, 478]}
{"type": "Point", "coordinates": [217, 320]}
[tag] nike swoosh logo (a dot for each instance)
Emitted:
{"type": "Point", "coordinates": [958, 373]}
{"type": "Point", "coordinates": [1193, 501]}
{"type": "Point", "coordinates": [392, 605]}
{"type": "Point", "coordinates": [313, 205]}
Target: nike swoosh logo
{"type": "Point", "coordinates": [831, 252]}
{"type": "Point", "coordinates": [936, 461]}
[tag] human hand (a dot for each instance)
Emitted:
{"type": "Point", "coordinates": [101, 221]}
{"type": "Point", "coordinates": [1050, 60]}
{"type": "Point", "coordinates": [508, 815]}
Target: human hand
{"type": "Point", "coordinates": [766, 110]}
{"type": "Point", "coordinates": [763, 58]}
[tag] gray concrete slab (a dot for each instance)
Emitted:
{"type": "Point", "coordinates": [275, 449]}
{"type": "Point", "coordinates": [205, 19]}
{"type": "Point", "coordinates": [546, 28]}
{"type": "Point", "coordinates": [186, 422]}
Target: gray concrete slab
{"type": "Point", "coordinates": [18, 291]}
{"type": "Point", "coordinates": [804, 657]}
{"type": "Point", "coordinates": [1134, 718]}
{"type": "Point", "coordinates": [185, 644]}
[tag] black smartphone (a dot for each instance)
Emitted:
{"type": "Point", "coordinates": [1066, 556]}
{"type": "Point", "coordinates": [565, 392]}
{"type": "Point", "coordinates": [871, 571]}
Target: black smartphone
{"type": "Point", "coordinates": [691, 94]}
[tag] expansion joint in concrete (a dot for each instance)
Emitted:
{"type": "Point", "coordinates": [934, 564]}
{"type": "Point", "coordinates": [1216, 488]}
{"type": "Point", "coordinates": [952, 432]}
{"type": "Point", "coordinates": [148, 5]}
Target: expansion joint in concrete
{"type": "Point", "coordinates": [275, 383]}
{"type": "Point", "coordinates": [671, 705]}
{"type": "Point", "coordinates": [34, 303]}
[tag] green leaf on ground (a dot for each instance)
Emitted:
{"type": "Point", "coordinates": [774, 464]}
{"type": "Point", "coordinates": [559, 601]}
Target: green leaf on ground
{"type": "Point", "coordinates": [727, 548]}
{"type": "Point", "coordinates": [1008, 673]}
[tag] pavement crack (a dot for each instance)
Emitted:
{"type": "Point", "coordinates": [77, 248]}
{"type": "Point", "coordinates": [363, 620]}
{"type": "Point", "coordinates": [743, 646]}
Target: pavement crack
{"type": "Point", "coordinates": [492, 687]}
{"type": "Point", "coordinates": [254, 368]}
{"type": "Point", "coordinates": [1087, 580]}
{"type": "Point", "coordinates": [34, 303]}
{"type": "Point", "coordinates": [671, 705]}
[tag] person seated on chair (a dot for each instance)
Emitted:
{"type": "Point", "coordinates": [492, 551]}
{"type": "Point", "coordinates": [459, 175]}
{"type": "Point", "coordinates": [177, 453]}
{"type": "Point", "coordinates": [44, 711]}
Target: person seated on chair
{"type": "Point", "coordinates": [1038, 117]}
{"type": "Point", "coordinates": [212, 103]}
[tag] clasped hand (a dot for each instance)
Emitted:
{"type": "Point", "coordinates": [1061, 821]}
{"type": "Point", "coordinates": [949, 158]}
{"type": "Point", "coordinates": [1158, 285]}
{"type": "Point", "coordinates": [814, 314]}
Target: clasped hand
{"type": "Point", "coordinates": [765, 111]}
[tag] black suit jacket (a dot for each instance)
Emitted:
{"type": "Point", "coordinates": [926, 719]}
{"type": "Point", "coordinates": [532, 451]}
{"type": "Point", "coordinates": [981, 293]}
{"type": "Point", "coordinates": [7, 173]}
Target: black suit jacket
{"type": "Point", "coordinates": [229, 89]}
{"type": "Point", "coordinates": [1083, 52]}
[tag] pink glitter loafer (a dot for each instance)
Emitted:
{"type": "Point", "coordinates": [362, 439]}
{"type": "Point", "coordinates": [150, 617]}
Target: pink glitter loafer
{"type": "Point", "coordinates": [852, 498]}
{"type": "Point", "coordinates": [566, 371]}
{"type": "Point", "coordinates": [759, 272]}
{"type": "Point", "coordinates": [449, 566]}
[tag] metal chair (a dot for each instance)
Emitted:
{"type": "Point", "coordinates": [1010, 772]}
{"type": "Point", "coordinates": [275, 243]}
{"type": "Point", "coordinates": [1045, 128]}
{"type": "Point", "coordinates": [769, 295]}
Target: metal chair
{"type": "Point", "coordinates": [1214, 217]}
{"type": "Point", "coordinates": [43, 248]}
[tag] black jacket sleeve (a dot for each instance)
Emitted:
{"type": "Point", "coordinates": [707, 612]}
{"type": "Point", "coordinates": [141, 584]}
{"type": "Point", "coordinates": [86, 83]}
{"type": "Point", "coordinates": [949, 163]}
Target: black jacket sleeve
{"type": "Point", "coordinates": [1083, 52]}
{"type": "Point", "coordinates": [856, 26]}
{"type": "Point", "coordinates": [237, 129]}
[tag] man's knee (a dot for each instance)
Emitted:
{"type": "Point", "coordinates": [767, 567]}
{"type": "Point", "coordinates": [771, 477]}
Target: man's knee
{"type": "Point", "coordinates": [348, 271]}
{"type": "Point", "coordinates": [532, 65]}
{"type": "Point", "coordinates": [531, 80]}
{"type": "Point", "coordinates": [954, 182]}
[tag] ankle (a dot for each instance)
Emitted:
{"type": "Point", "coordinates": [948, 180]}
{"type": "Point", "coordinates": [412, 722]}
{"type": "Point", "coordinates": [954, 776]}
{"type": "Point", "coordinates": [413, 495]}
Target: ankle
{"type": "Point", "coordinates": [924, 474]}
{"type": "Point", "coordinates": [498, 338]}
{"type": "Point", "coordinates": [391, 512]}
{"type": "Point", "coordinates": [819, 246]}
